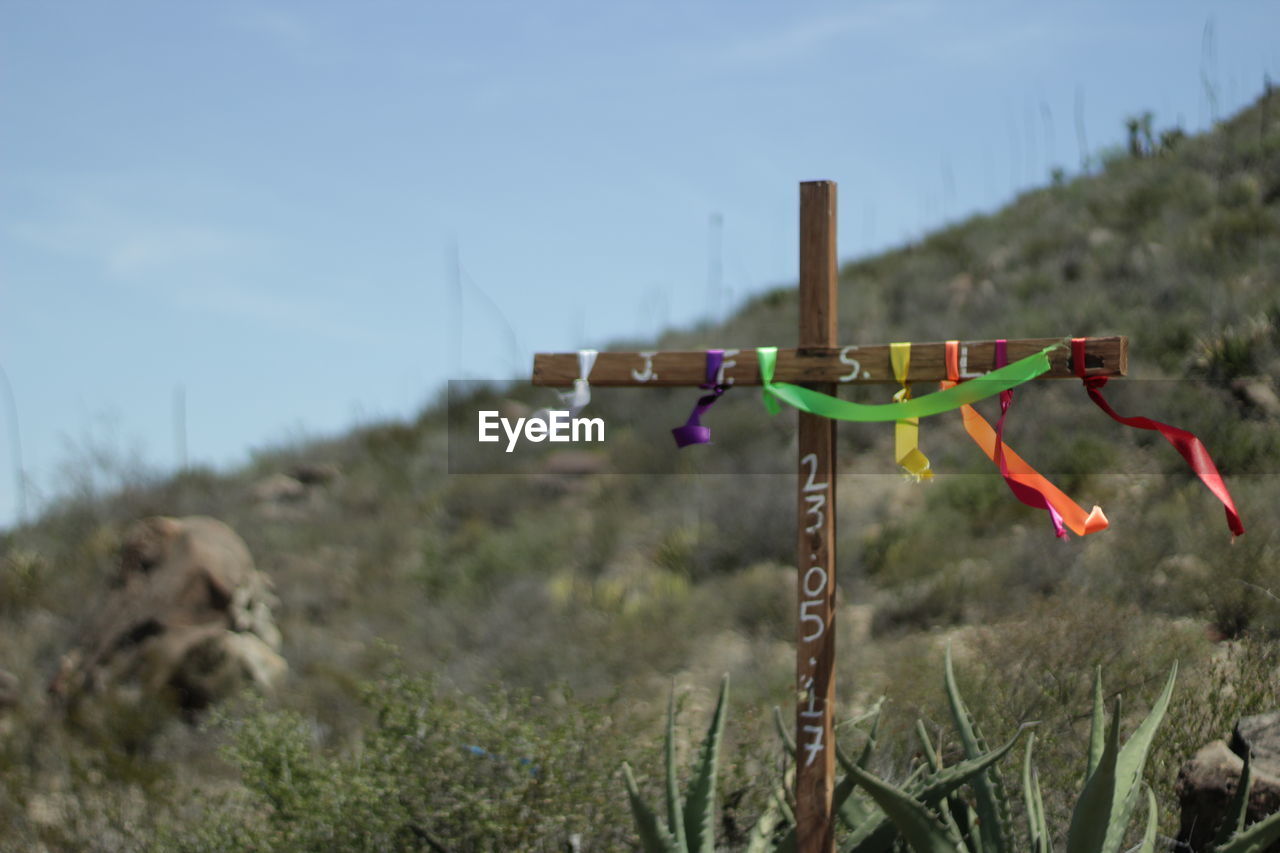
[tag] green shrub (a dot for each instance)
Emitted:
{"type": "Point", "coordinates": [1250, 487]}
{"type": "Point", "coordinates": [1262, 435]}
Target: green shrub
{"type": "Point", "coordinates": [431, 770]}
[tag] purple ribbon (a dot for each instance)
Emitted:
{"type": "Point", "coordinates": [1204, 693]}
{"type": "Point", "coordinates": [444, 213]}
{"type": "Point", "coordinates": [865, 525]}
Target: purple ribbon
{"type": "Point", "coordinates": [693, 432]}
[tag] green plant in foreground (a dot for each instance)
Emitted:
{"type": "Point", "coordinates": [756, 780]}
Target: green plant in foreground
{"type": "Point", "coordinates": [871, 829]}
{"type": "Point", "coordinates": [690, 828]}
{"type": "Point", "coordinates": [690, 825]}
{"type": "Point", "coordinates": [927, 813]}
{"type": "Point", "coordinates": [1103, 810]}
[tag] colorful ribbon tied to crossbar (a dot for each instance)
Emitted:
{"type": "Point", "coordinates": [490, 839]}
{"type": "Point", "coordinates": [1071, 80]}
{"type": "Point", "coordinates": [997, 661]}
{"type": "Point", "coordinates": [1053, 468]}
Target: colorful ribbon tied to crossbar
{"type": "Point", "coordinates": [824, 405]}
{"type": "Point", "coordinates": [577, 399]}
{"type": "Point", "coordinates": [1186, 443]}
{"type": "Point", "coordinates": [693, 432]}
{"type": "Point", "coordinates": [906, 432]}
{"type": "Point", "coordinates": [1027, 484]}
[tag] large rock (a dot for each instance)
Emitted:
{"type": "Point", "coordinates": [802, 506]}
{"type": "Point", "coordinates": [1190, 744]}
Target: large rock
{"type": "Point", "coordinates": [1260, 734]}
{"type": "Point", "coordinates": [1205, 786]}
{"type": "Point", "coordinates": [187, 617]}
{"type": "Point", "coordinates": [279, 488]}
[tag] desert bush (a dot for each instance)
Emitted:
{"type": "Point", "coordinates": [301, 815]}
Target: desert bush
{"type": "Point", "coordinates": [432, 769]}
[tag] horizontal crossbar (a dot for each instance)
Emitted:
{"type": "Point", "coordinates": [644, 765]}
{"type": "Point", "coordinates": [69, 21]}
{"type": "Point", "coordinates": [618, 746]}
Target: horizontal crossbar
{"type": "Point", "coordinates": [854, 365]}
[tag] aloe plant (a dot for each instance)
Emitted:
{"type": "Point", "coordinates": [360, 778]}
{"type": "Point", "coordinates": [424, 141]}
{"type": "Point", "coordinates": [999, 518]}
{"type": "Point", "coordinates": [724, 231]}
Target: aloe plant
{"type": "Point", "coordinates": [690, 825]}
{"type": "Point", "coordinates": [926, 811]}
{"type": "Point", "coordinates": [1102, 814]}
{"type": "Point", "coordinates": [870, 829]}
{"type": "Point", "coordinates": [1103, 811]}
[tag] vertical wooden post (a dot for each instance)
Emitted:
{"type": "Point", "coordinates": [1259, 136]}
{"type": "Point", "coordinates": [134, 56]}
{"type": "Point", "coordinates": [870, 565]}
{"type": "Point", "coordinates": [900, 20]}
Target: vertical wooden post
{"type": "Point", "coordinates": [816, 522]}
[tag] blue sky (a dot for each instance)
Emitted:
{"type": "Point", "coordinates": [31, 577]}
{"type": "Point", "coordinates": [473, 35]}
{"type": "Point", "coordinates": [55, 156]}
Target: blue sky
{"type": "Point", "coordinates": [259, 203]}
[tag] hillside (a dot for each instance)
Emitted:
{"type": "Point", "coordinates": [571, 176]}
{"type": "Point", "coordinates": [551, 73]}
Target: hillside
{"type": "Point", "coordinates": [531, 611]}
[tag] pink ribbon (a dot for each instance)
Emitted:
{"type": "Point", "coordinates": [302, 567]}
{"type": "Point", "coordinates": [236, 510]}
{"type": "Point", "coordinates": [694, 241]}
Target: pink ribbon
{"type": "Point", "coordinates": [1029, 495]}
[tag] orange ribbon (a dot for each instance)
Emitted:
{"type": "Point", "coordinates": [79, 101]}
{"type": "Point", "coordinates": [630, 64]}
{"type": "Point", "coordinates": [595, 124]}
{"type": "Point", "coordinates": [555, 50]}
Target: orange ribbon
{"type": "Point", "coordinates": [1017, 473]}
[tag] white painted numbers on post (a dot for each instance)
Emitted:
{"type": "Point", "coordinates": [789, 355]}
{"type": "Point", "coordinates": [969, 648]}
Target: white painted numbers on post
{"type": "Point", "coordinates": [814, 495]}
{"type": "Point", "coordinates": [814, 591]}
{"type": "Point", "coordinates": [813, 584]}
{"type": "Point", "coordinates": [812, 710]}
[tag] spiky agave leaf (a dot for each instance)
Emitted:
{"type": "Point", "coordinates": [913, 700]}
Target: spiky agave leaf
{"type": "Point", "coordinates": [788, 791]}
{"type": "Point", "coordinates": [675, 815]}
{"type": "Point", "coordinates": [864, 758]}
{"type": "Point", "coordinates": [788, 742]}
{"type": "Point", "coordinates": [1037, 830]}
{"type": "Point", "coordinates": [912, 818]}
{"type": "Point", "coordinates": [1130, 761]}
{"type": "Point", "coordinates": [970, 818]}
{"type": "Point", "coordinates": [1148, 844]}
{"type": "Point", "coordinates": [878, 833]}
{"type": "Point", "coordinates": [1097, 726]}
{"type": "Point", "coordinates": [930, 754]}
{"type": "Point", "coordinates": [787, 844]}
{"type": "Point", "coordinates": [760, 839]}
{"type": "Point", "coordinates": [1255, 839]}
{"type": "Point", "coordinates": [957, 817]}
{"type": "Point", "coordinates": [955, 811]}
{"type": "Point", "coordinates": [654, 837]}
{"type": "Point", "coordinates": [1093, 811]}
{"type": "Point", "coordinates": [852, 810]}
{"type": "Point", "coordinates": [950, 806]}
{"type": "Point", "coordinates": [988, 789]}
{"type": "Point", "coordinates": [700, 805]}
{"type": "Point", "coordinates": [1233, 821]}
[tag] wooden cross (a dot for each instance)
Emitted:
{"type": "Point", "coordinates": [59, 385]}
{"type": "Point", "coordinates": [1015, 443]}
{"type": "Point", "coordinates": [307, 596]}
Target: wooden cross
{"type": "Point", "coordinates": [822, 364]}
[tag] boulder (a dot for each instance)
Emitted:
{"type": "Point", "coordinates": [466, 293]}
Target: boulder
{"type": "Point", "coordinates": [279, 488]}
{"type": "Point", "coordinates": [1261, 735]}
{"type": "Point", "coordinates": [187, 616]}
{"type": "Point", "coordinates": [1205, 786]}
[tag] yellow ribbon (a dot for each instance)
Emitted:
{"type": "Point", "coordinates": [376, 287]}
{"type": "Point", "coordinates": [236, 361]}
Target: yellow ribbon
{"type": "Point", "coordinates": [906, 432]}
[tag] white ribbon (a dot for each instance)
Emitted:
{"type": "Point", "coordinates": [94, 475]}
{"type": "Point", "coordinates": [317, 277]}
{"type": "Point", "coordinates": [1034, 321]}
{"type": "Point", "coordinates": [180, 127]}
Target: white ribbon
{"type": "Point", "coordinates": [577, 399]}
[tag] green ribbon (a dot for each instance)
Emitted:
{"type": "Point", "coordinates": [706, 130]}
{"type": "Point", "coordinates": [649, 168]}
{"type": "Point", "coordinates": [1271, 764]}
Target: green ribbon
{"type": "Point", "coordinates": [824, 405]}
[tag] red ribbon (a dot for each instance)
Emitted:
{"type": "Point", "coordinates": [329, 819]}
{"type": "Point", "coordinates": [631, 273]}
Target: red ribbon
{"type": "Point", "coordinates": [1191, 448]}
